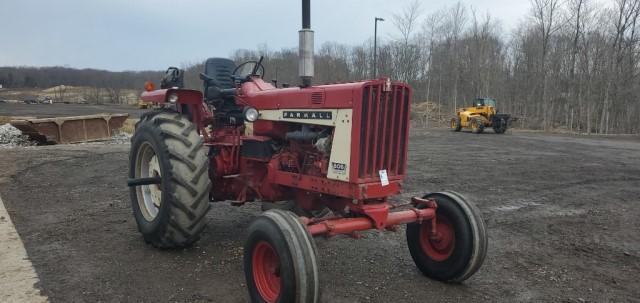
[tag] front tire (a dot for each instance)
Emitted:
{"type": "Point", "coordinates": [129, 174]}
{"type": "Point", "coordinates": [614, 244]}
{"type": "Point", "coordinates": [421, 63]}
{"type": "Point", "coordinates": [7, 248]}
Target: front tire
{"type": "Point", "coordinates": [477, 126]}
{"type": "Point", "coordinates": [456, 124]}
{"type": "Point", "coordinates": [172, 213]}
{"type": "Point", "coordinates": [280, 260]}
{"type": "Point", "coordinates": [460, 246]}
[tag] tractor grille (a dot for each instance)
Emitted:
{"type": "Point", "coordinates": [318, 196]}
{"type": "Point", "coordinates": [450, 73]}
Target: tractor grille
{"type": "Point", "coordinates": [383, 131]}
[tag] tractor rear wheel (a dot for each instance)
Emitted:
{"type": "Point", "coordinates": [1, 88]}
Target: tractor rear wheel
{"type": "Point", "coordinates": [280, 260]}
{"type": "Point", "coordinates": [458, 248]}
{"type": "Point", "coordinates": [166, 145]}
{"type": "Point", "coordinates": [456, 125]}
{"type": "Point", "coordinates": [477, 126]}
{"type": "Point", "coordinates": [500, 127]}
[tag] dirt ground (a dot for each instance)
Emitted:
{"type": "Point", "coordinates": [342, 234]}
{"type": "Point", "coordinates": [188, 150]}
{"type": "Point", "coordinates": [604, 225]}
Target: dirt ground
{"type": "Point", "coordinates": [61, 109]}
{"type": "Point", "coordinates": [562, 214]}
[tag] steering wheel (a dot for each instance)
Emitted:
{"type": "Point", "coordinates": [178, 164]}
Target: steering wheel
{"type": "Point", "coordinates": [248, 69]}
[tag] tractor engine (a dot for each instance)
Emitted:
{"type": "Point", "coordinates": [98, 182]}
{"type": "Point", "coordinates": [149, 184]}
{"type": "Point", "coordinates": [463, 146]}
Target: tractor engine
{"type": "Point", "coordinates": [306, 151]}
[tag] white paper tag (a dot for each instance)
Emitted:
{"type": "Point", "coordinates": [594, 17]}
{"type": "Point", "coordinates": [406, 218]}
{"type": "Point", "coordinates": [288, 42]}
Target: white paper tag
{"type": "Point", "coordinates": [384, 180]}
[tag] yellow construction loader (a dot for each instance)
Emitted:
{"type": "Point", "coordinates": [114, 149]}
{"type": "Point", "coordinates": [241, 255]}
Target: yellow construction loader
{"type": "Point", "coordinates": [480, 114]}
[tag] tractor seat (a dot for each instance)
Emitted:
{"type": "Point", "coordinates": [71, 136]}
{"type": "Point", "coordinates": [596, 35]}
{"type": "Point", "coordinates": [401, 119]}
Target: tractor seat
{"type": "Point", "coordinates": [219, 72]}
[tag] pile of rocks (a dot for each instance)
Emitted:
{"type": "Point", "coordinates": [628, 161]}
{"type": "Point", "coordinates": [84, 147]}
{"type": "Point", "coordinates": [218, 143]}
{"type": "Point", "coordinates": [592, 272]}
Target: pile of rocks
{"type": "Point", "coordinates": [11, 136]}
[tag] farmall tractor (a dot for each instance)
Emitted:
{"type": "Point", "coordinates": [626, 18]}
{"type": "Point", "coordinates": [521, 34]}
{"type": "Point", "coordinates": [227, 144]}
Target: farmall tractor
{"type": "Point", "coordinates": [325, 160]}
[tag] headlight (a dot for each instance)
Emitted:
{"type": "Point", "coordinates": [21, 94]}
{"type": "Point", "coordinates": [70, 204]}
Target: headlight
{"type": "Point", "coordinates": [250, 114]}
{"type": "Point", "coordinates": [173, 98]}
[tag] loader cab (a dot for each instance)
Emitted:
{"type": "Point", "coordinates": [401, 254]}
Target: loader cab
{"type": "Point", "coordinates": [479, 102]}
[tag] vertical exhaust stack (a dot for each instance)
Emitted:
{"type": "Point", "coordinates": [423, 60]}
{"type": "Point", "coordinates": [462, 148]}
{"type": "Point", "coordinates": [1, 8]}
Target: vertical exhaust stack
{"type": "Point", "coordinates": [305, 50]}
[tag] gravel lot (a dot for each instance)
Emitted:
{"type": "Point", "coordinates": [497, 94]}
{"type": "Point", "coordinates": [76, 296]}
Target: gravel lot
{"type": "Point", "coordinates": [562, 214]}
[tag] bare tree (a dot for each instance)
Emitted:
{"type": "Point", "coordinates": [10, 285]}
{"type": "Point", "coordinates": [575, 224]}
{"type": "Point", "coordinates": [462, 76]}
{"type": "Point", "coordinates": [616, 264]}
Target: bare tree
{"type": "Point", "coordinates": [115, 96]}
{"type": "Point", "coordinates": [455, 22]}
{"type": "Point", "coordinates": [406, 52]}
{"type": "Point", "coordinates": [60, 92]}
{"type": "Point", "coordinates": [545, 13]}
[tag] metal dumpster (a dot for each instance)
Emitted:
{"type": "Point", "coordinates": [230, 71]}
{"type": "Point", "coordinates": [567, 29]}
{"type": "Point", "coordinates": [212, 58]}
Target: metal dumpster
{"type": "Point", "coordinates": [70, 129]}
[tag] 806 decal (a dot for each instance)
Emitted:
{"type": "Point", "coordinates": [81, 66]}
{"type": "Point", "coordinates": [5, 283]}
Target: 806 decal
{"type": "Point", "coordinates": [339, 168]}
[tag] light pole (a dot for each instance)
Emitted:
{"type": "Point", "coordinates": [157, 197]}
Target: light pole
{"type": "Point", "coordinates": [375, 47]}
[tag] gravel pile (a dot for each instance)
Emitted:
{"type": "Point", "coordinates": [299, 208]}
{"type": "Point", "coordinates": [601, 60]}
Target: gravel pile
{"type": "Point", "coordinates": [11, 136]}
{"type": "Point", "coordinates": [116, 138]}
{"type": "Point", "coordinates": [119, 138]}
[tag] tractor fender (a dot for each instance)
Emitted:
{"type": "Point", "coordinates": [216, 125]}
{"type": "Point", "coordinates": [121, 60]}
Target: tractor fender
{"type": "Point", "coordinates": [185, 96]}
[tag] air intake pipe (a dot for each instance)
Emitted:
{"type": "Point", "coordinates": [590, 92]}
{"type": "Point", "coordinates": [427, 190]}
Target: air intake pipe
{"type": "Point", "coordinates": [305, 49]}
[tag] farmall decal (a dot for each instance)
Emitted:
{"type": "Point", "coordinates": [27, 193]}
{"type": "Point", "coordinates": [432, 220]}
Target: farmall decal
{"type": "Point", "coordinates": [307, 115]}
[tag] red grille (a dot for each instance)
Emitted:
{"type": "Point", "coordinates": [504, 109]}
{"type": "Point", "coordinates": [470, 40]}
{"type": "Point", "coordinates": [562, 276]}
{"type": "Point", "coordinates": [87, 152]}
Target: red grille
{"type": "Point", "coordinates": [383, 131]}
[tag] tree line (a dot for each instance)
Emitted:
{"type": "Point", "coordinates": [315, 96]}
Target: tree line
{"type": "Point", "coordinates": [45, 77]}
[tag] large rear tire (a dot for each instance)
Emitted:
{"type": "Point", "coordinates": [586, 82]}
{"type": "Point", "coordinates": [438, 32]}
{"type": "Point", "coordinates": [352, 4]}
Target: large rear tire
{"type": "Point", "coordinates": [170, 214]}
{"type": "Point", "coordinates": [500, 127]}
{"type": "Point", "coordinates": [460, 246]}
{"type": "Point", "coordinates": [280, 260]}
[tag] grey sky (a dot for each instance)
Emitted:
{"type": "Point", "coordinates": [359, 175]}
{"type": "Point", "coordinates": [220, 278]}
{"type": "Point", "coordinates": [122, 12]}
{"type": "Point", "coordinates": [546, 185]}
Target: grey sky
{"type": "Point", "coordinates": [153, 34]}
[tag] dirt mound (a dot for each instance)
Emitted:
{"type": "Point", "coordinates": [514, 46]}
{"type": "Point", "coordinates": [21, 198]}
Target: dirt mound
{"type": "Point", "coordinates": [429, 113]}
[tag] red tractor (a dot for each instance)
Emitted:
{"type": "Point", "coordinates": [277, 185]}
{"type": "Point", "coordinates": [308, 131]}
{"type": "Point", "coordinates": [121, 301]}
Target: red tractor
{"type": "Point", "coordinates": [324, 160]}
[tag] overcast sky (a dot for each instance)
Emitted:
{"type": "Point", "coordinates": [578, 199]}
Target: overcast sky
{"type": "Point", "coordinates": [153, 34]}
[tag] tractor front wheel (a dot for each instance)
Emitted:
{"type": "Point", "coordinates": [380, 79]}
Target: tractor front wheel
{"type": "Point", "coordinates": [457, 248]}
{"type": "Point", "coordinates": [280, 260]}
{"type": "Point", "coordinates": [456, 125]}
{"type": "Point", "coordinates": [166, 146]}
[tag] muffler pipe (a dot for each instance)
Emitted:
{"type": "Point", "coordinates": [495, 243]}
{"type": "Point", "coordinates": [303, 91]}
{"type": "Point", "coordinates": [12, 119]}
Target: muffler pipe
{"type": "Point", "coordinates": [305, 48]}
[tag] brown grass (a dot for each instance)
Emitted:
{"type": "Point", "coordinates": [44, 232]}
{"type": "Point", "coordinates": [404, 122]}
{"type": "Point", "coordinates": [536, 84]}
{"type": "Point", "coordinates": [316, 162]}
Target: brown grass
{"type": "Point", "coordinates": [5, 119]}
{"type": "Point", "coordinates": [129, 126]}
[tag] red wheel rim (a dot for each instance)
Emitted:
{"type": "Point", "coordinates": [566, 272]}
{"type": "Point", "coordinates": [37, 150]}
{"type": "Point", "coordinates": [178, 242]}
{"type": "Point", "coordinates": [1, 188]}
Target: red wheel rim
{"type": "Point", "coordinates": [438, 247]}
{"type": "Point", "coordinates": [266, 271]}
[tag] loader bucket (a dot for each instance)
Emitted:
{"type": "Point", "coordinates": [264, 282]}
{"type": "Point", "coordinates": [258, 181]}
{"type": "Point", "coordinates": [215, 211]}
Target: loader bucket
{"type": "Point", "coordinates": [70, 129]}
